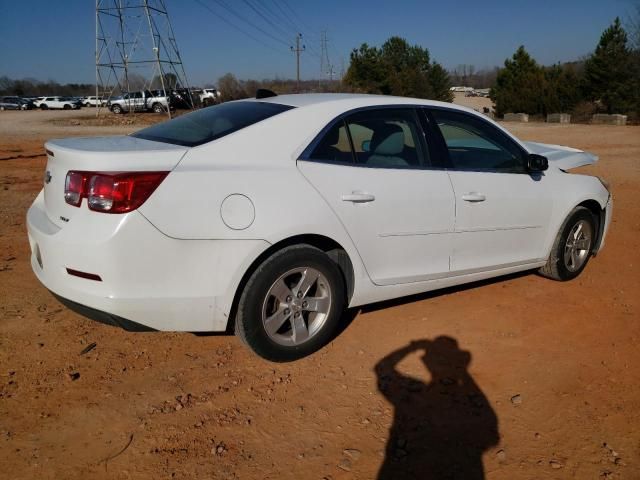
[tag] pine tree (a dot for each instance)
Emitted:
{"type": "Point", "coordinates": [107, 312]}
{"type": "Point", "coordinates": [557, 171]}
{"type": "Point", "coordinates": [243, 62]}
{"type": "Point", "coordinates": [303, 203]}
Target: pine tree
{"type": "Point", "coordinates": [609, 75]}
{"type": "Point", "coordinates": [398, 68]}
{"type": "Point", "coordinates": [519, 86]}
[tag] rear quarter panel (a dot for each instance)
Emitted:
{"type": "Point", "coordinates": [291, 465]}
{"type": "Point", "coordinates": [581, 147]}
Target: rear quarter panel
{"type": "Point", "coordinates": [258, 162]}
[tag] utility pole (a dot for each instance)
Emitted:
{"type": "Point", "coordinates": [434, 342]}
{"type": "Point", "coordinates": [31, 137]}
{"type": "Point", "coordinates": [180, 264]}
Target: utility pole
{"type": "Point", "coordinates": [298, 50]}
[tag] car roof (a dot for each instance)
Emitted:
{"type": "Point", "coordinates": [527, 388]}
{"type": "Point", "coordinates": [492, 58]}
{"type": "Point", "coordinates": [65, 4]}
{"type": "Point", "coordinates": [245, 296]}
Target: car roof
{"type": "Point", "coordinates": [354, 100]}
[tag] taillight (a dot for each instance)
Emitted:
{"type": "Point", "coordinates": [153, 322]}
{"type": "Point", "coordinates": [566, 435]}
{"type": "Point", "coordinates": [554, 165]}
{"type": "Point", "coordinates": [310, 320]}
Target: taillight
{"type": "Point", "coordinates": [111, 192]}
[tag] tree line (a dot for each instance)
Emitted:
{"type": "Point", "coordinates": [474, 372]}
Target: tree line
{"type": "Point", "coordinates": [607, 81]}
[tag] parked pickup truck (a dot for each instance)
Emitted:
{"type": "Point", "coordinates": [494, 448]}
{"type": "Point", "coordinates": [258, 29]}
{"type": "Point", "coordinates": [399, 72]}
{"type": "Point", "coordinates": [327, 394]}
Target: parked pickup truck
{"type": "Point", "coordinates": [143, 101]}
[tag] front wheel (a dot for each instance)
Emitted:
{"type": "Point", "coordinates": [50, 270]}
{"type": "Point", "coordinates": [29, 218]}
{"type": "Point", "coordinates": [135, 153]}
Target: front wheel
{"type": "Point", "coordinates": [291, 305]}
{"type": "Point", "coordinates": [117, 109]}
{"type": "Point", "coordinates": [572, 247]}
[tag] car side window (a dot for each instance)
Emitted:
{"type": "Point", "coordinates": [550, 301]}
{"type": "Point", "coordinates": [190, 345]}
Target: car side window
{"type": "Point", "coordinates": [474, 144]}
{"type": "Point", "coordinates": [387, 138]}
{"type": "Point", "coordinates": [334, 146]}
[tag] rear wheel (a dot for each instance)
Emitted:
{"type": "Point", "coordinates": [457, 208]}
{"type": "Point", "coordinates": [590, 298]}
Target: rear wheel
{"type": "Point", "coordinates": [291, 305]}
{"type": "Point", "coordinates": [572, 247]}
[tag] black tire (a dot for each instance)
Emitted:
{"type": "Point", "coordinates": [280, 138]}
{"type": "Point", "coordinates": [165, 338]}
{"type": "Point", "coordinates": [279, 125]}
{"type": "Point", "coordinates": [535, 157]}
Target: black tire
{"type": "Point", "coordinates": [43, 107]}
{"type": "Point", "coordinates": [556, 267]}
{"type": "Point", "coordinates": [157, 108]}
{"type": "Point", "coordinates": [66, 106]}
{"type": "Point", "coordinates": [249, 324]}
{"type": "Point", "coordinates": [117, 109]}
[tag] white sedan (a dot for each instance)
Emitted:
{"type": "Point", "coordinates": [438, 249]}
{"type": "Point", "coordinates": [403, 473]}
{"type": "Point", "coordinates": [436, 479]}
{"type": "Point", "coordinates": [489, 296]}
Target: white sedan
{"type": "Point", "coordinates": [272, 215]}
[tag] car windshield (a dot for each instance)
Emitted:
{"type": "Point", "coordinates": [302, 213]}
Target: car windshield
{"type": "Point", "coordinates": [210, 123]}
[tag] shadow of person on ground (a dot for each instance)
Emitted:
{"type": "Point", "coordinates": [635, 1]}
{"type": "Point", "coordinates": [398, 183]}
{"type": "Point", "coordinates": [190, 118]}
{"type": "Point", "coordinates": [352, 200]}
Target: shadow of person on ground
{"type": "Point", "coordinates": [441, 428]}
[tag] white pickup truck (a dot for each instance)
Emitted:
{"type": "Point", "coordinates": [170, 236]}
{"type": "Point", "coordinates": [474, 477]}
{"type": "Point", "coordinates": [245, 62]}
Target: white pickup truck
{"type": "Point", "coordinates": [209, 96]}
{"type": "Point", "coordinates": [143, 101]}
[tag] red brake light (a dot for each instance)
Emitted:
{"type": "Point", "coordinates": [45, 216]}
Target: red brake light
{"type": "Point", "coordinates": [111, 192]}
{"type": "Point", "coordinates": [74, 188]}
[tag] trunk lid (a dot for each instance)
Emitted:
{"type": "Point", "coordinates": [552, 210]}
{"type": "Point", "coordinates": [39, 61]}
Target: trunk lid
{"type": "Point", "coordinates": [99, 154]}
{"type": "Point", "coordinates": [565, 158]}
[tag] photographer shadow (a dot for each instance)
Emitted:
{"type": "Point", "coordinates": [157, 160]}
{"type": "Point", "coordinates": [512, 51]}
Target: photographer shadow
{"type": "Point", "coordinates": [441, 428]}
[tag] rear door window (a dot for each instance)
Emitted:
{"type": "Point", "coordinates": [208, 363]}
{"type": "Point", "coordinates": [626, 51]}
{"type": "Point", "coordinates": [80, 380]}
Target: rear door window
{"type": "Point", "coordinates": [334, 146]}
{"type": "Point", "coordinates": [388, 138]}
{"type": "Point", "coordinates": [211, 123]}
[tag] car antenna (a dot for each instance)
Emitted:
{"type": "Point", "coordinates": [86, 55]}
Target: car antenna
{"type": "Point", "coordinates": [265, 93]}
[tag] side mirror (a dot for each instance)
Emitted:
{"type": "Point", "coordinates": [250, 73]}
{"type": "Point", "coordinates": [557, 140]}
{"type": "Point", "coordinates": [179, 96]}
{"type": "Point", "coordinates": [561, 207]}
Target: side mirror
{"type": "Point", "coordinates": [537, 163]}
{"type": "Point", "coordinates": [366, 145]}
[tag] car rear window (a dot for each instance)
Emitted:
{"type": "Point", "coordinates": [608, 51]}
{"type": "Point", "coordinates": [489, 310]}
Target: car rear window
{"type": "Point", "coordinates": [210, 123]}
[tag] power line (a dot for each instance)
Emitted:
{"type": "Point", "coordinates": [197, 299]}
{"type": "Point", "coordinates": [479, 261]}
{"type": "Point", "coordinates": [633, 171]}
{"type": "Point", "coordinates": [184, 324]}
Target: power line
{"type": "Point", "coordinates": [239, 29]}
{"type": "Point", "coordinates": [264, 17]}
{"type": "Point", "coordinates": [286, 3]}
{"type": "Point", "coordinates": [286, 16]}
{"type": "Point", "coordinates": [248, 22]}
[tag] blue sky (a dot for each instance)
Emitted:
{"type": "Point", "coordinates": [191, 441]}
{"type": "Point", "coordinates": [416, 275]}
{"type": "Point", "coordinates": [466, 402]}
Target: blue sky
{"type": "Point", "coordinates": [49, 39]}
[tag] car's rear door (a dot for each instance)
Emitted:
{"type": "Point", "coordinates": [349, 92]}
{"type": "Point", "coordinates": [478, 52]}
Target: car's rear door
{"type": "Point", "coordinates": [502, 211]}
{"type": "Point", "coordinates": [374, 170]}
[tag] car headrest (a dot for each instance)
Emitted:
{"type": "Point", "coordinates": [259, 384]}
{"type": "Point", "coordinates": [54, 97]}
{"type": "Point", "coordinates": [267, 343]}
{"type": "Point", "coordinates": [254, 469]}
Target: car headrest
{"type": "Point", "coordinates": [388, 140]}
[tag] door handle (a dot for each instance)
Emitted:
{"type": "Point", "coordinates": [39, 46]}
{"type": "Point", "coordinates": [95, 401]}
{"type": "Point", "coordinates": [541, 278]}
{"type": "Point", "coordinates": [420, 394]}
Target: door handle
{"type": "Point", "coordinates": [358, 197]}
{"type": "Point", "coordinates": [473, 197]}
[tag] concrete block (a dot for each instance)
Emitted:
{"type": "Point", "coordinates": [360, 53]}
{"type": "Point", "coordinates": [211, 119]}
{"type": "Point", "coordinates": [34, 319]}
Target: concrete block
{"type": "Point", "coordinates": [604, 119]}
{"type": "Point", "coordinates": [559, 118]}
{"type": "Point", "coordinates": [516, 117]}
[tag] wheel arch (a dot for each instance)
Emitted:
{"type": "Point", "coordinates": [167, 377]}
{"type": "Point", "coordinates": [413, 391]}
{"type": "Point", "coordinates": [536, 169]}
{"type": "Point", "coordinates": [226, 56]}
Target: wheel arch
{"type": "Point", "coordinates": [599, 214]}
{"type": "Point", "coordinates": [333, 249]}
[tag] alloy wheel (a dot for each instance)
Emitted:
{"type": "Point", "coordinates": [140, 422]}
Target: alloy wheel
{"type": "Point", "coordinates": [296, 306]}
{"type": "Point", "coordinates": [577, 246]}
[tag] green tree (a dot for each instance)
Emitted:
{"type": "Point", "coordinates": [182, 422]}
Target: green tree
{"type": "Point", "coordinates": [519, 86]}
{"type": "Point", "coordinates": [610, 72]}
{"type": "Point", "coordinates": [561, 89]}
{"type": "Point", "coordinates": [397, 68]}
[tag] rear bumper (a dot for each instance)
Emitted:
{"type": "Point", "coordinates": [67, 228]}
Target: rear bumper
{"type": "Point", "coordinates": [146, 277]}
{"type": "Point", "coordinates": [102, 317]}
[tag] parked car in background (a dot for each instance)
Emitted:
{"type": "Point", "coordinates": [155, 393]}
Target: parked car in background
{"type": "Point", "coordinates": [15, 103]}
{"type": "Point", "coordinates": [65, 103]}
{"type": "Point", "coordinates": [143, 101]}
{"type": "Point", "coordinates": [182, 98]}
{"type": "Point", "coordinates": [36, 101]}
{"type": "Point", "coordinates": [379, 197]}
{"type": "Point", "coordinates": [8, 103]}
{"type": "Point", "coordinates": [209, 96]}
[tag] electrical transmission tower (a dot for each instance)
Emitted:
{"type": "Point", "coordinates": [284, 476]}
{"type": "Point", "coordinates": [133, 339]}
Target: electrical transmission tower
{"type": "Point", "coordinates": [136, 49]}
{"type": "Point", "coordinates": [326, 68]}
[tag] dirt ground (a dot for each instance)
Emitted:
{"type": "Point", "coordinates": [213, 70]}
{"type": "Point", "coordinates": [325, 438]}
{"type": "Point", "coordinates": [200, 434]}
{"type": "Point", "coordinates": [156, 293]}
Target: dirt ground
{"type": "Point", "coordinates": [520, 377]}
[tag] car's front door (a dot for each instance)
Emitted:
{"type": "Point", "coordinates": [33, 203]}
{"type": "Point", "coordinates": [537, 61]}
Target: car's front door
{"type": "Point", "coordinates": [502, 210]}
{"type": "Point", "coordinates": [374, 170]}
